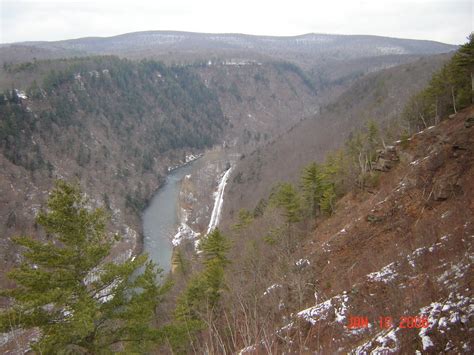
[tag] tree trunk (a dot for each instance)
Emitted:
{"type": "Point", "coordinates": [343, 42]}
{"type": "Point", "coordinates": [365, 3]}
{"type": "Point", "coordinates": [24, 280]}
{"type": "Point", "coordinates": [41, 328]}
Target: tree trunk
{"type": "Point", "coordinates": [454, 100]}
{"type": "Point", "coordinates": [423, 119]}
{"type": "Point", "coordinates": [472, 87]}
{"type": "Point", "coordinates": [436, 112]}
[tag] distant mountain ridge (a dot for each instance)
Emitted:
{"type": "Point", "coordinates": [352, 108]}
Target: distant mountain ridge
{"type": "Point", "coordinates": [344, 46]}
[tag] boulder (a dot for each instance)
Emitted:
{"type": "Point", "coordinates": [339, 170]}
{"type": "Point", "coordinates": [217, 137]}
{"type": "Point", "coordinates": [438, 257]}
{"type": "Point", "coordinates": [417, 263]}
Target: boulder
{"type": "Point", "coordinates": [441, 190]}
{"type": "Point", "coordinates": [386, 158]}
{"type": "Point", "coordinates": [446, 186]}
{"type": "Point", "coordinates": [383, 164]}
{"type": "Point", "coordinates": [436, 159]}
{"type": "Point", "coordinates": [469, 122]}
{"type": "Point", "coordinates": [374, 219]}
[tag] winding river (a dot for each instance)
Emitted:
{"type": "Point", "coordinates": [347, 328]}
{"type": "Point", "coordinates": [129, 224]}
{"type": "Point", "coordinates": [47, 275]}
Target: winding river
{"type": "Point", "coordinates": [160, 219]}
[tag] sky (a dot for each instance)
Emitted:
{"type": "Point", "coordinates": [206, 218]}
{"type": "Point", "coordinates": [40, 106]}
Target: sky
{"type": "Point", "coordinates": [448, 21]}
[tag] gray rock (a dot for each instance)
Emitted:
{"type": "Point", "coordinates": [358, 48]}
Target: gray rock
{"type": "Point", "coordinates": [437, 158]}
{"type": "Point", "coordinates": [446, 186]}
{"type": "Point", "coordinates": [374, 219]}
{"type": "Point", "coordinates": [383, 164]}
{"type": "Point", "coordinates": [386, 158]}
{"type": "Point", "coordinates": [469, 122]}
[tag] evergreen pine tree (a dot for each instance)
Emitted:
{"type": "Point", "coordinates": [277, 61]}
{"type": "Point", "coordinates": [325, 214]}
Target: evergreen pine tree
{"type": "Point", "coordinates": [312, 186]}
{"type": "Point", "coordinates": [203, 291]}
{"type": "Point", "coordinates": [287, 197]}
{"type": "Point", "coordinates": [245, 218]}
{"type": "Point", "coordinates": [81, 303]}
{"type": "Point", "coordinates": [214, 247]}
{"type": "Point", "coordinates": [463, 68]}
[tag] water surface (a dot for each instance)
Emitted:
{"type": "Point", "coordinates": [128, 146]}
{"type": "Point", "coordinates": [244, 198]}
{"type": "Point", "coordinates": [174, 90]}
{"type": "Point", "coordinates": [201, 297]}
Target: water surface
{"type": "Point", "coordinates": [161, 219]}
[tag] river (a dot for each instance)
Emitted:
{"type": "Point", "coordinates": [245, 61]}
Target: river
{"type": "Point", "coordinates": [160, 219]}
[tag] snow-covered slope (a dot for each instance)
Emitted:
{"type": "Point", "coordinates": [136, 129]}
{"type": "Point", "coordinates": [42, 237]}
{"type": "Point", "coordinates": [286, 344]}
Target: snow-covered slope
{"type": "Point", "coordinates": [218, 201]}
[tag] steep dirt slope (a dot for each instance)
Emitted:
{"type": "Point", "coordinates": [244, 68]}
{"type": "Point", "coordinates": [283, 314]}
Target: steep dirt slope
{"type": "Point", "coordinates": [403, 250]}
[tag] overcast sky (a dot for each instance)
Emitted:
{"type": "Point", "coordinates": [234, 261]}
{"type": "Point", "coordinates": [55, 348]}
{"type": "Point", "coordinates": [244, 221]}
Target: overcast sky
{"type": "Point", "coordinates": [447, 21]}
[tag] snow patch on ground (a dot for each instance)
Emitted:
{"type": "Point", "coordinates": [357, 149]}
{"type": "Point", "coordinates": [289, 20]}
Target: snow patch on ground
{"type": "Point", "coordinates": [386, 274]}
{"type": "Point", "coordinates": [341, 312]}
{"type": "Point", "coordinates": [337, 305]}
{"type": "Point", "coordinates": [457, 309]}
{"type": "Point", "coordinates": [105, 295]}
{"type": "Point", "coordinates": [385, 342]}
{"type": "Point", "coordinates": [218, 201]}
{"type": "Point", "coordinates": [416, 253]}
{"type": "Point", "coordinates": [315, 313]}
{"type": "Point", "coordinates": [303, 263]}
{"type": "Point", "coordinates": [271, 288]}
{"type": "Point", "coordinates": [185, 232]}
{"type": "Point", "coordinates": [247, 349]}
{"type": "Point", "coordinates": [21, 94]}
{"type": "Point", "coordinates": [457, 271]}
{"type": "Point", "coordinates": [418, 161]}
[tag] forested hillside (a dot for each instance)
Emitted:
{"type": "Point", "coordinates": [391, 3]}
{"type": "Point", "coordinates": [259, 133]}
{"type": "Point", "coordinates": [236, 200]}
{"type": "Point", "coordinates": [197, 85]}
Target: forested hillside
{"type": "Point", "coordinates": [319, 135]}
{"type": "Point", "coordinates": [112, 124]}
{"type": "Point", "coordinates": [305, 49]}
{"type": "Point", "coordinates": [369, 250]}
{"type": "Point", "coordinates": [261, 100]}
{"type": "Point", "coordinates": [177, 110]}
{"type": "Point", "coordinates": [378, 97]}
{"type": "Point", "coordinates": [116, 126]}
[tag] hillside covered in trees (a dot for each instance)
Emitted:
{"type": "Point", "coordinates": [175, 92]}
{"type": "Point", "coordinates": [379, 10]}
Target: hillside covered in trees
{"type": "Point", "coordinates": [377, 98]}
{"type": "Point", "coordinates": [381, 230]}
{"type": "Point", "coordinates": [112, 124]}
{"type": "Point", "coordinates": [367, 206]}
{"type": "Point", "coordinates": [117, 125]}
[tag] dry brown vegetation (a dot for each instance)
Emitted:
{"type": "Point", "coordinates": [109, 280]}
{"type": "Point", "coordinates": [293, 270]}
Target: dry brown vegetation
{"type": "Point", "coordinates": [403, 248]}
{"type": "Point", "coordinates": [277, 269]}
{"type": "Point", "coordinates": [379, 97]}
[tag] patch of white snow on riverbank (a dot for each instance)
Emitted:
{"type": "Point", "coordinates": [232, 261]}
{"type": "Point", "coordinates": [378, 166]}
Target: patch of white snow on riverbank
{"type": "Point", "coordinates": [184, 232]}
{"type": "Point", "coordinates": [218, 202]}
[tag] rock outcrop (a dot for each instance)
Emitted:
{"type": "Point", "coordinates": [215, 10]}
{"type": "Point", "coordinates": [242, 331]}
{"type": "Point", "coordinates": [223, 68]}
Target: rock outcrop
{"type": "Point", "coordinates": [386, 158]}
